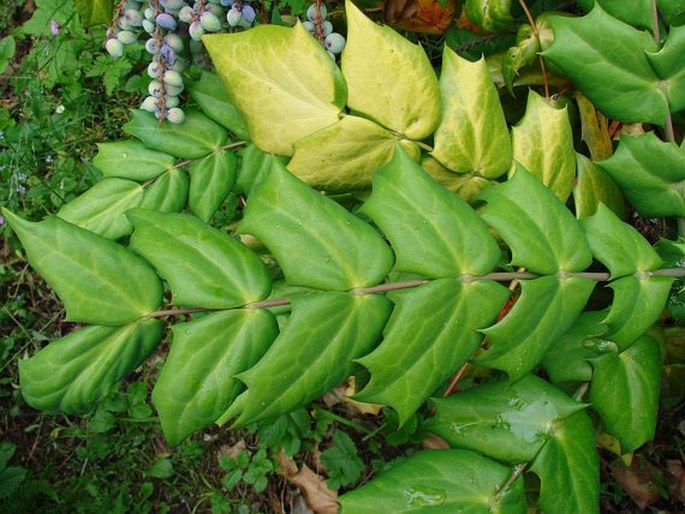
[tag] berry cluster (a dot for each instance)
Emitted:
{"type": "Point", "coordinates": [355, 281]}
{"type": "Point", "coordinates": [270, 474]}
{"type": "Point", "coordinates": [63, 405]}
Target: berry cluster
{"type": "Point", "coordinates": [165, 23]}
{"type": "Point", "coordinates": [322, 29]}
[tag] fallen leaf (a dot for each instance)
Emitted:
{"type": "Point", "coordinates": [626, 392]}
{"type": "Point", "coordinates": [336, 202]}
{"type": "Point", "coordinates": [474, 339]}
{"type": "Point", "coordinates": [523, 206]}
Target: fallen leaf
{"type": "Point", "coordinates": [428, 16]}
{"type": "Point", "coordinates": [319, 497]}
{"type": "Point", "coordinates": [639, 485]}
{"type": "Point", "coordinates": [677, 488]}
{"type": "Point", "coordinates": [362, 407]}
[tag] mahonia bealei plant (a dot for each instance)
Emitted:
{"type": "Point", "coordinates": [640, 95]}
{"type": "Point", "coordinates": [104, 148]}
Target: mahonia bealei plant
{"type": "Point", "coordinates": [403, 292]}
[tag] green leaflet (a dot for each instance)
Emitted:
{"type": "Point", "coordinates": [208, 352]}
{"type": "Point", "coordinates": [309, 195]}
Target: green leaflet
{"type": "Point", "coordinates": [673, 11]}
{"type": "Point", "coordinates": [99, 281]}
{"type": "Point", "coordinates": [130, 159]}
{"type": "Point", "coordinates": [254, 167]}
{"type": "Point", "coordinates": [546, 309]}
{"type": "Point", "coordinates": [473, 135]}
{"type": "Point", "coordinates": [635, 12]}
{"type": "Point", "coordinates": [508, 422]}
{"type": "Point", "coordinates": [638, 303]}
{"type": "Point", "coordinates": [94, 12]}
{"type": "Point", "coordinates": [343, 156]}
{"type": "Point", "coordinates": [616, 74]}
{"type": "Point", "coordinates": [75, 372]}
{"type": "Point", "coordinates": [210, 95]}
{"type": "Point", "coordinates": [439, 482]}
{"type": "Point", "coordinates": [543, 143]}
{"type": "Point", "coordinates": [433, 330]}
{"type": "Point", "coordinates": [543, 235]}
{"type": "Point", "coordinates": [203, 266]}
{"type": "Point", "coordinates": [595, 186]}
{"type": "Point", "coordinates": [282, 81]}
{"type": "Point", "coordinates": [625, 392]}
{"type": "Point", "coordinates": [316, 241]}
{"type": "Point", "coordinates": [373, 59]}
{"type": "Point", "coordinates": [101, 208]}
{"type": "Point", "coordinates": [169, 193]}
{"type": "Point", "coordinates": [594, 129]}
{"type": "Point", "coordinates": [433, 232]}
{"type": "Point", "coordinates": [197, 382]}
{"type": "Point", "coordinates": [617, 245]}
{"type": "Point", "coordinates": [656, 180]}
{"type": "Point", "coordinates": [194, 138]}
{"type": "Point", "coordinates": [567, 359]}
{"type": "Point", "coordinates": [518, 57]}
{"type": "Point", "coordinates": [466, 185]}
{"type": "Point", "coordinates": [211, 179]}
{"type": "Point", "coordinates": [313, 353]}
{"type": "Point", "coordinates": [568, 467]}
{"type": "Point", "coordinates": [668, 63]}
{"type": "Point", "coordinates": [490, 15]}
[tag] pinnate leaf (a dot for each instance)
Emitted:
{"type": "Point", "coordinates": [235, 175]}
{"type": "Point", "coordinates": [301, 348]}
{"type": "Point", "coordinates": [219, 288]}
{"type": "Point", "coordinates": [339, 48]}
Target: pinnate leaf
{"type": "Point", "coordinates": [473, 134]}
{"type": "Point", "coordinates": [616, 74]}
{"type": "Point", "coordinates": [75, 372]}
{"type": "Point", "coordinates": [373, 58]}
{"type": "Point", "coordinates": [543, 143]}
{"type": "Point", "coordinates": [433, 330]}
{"type": "Point", "coordinates": [440, 482]}
{"type": "Point", "coordinates": [204, 266]}
{"type": "Point", "coordinates": [568, 467]}
{"type": "Point", "coordinates": [130, 159]}
{"type": "Point", "coordinates": [434, 233]}
{"type": "Point", "coordinates": [194, 138]}
{"type": "Point", "coordinates": [543, 235]}
{"type": "Point", "coordinates": [197, 382]}
{"type": "Point", "coordinates": [282, 81]}
{"type": "Point", "coordinates": [313, 353]}
{"type": "Point", "coordinates": [546, 309]}
{"type": "Point", "coordinates": [651, 174]}
{"type": "Point", "coordinates": [508, 422]}
{"type": "Point", "coordinates": [326, 247]}
{"type": "Point", "coordinates": [99, 281]}
{"type": "Point", "coordinates": [101, 209]}
{"type": "Point", "coordinates": [211, 179]}
{"type": "Point", "coordinates": [625, 392]}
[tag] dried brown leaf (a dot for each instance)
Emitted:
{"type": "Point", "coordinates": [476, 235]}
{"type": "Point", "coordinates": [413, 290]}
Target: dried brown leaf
{"type": "Point", "coordinates": [319, 497]}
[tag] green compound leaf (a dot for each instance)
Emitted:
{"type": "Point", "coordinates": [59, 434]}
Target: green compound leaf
{"type": "Point", "coordinates": [434, 233]}
{"type": "Point", "coordinates": [543, 235]}
{"type": "Point", "coordinates": [343, 156]}
{"type": "Point", "coordinates": [194, 138]}
{"type": "Point", "coordinates": [210, 95]}
{"type": "Point", "coordinates": [254, 167]}
{"type": "Point", "coordinates": [313, 353]}
{"type": "Point", "coordinates": [567, 359]}
{"type": "Point", "coordinates": [282, 80]}
{"type": "Point", "coordinates": [326, 247]}
{"type": "Point", "coordinates": [204, 266]}
{"type": "Point", "coordinates": [101, 208]}
{"type": "Point", "coordinates": [169, 193]}
{"type": "Point", "coordinates": [625, 392]}
{"type": "Point", "coordinates": [491, 15]}
{"type": "Point", "coordinates": [568, 467]}
{"type": "Point", "coordinates": [211, 179]}
{"type": "Point", "coordinates": [473, 134]}
{"type": "Point", "coordinates": [99, 281]}
{"type": "Point", "coordinates": [668, 63]}
{"type": "Point", "coordinates": [75, 372]}
{"type": "Point", "coordinates": [132, 160]}
{"type": "Point", "coordinates": [508, 422]}
{"type": "Point", "coordinates": [439, 482]}
{"type": "Point", "coordinates": [595, 186]}
{"type": "Point", "coordinates": [373, 59]}
{"type": "Point", "coordinates": [433, 330]}
{"type": "Point", "coordinates": [638, 303]}
{"type": "Point", "coordinates": [617, 245]}
{"type": "Point", "coordinates": [616, 74]}
{"type": "Point", "coordinates": [543, 143]}
{"type": "Point", "coordinates": [547, 308]}
{"type": "Point", "coordinates": [197, 382]}
{"type": "Point", "coordinates": [94, 12]}
{"type": "Point", "coordinates": [651, 174]}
